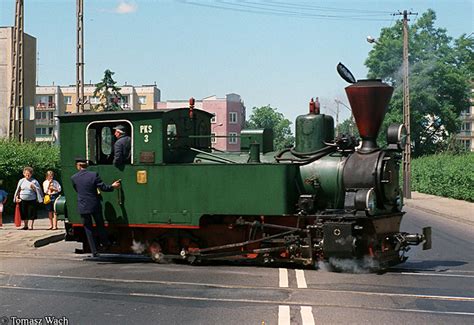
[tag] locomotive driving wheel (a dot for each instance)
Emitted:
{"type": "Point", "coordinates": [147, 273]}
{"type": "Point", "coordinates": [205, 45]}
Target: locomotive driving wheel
{"type": "Point", "coordinates": [156, 253]}
{"type": "Point", "coordinates": [174, 245]}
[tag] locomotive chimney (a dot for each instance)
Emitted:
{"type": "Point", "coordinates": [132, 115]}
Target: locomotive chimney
{"type": "Point", "coordinates": [369, 102]}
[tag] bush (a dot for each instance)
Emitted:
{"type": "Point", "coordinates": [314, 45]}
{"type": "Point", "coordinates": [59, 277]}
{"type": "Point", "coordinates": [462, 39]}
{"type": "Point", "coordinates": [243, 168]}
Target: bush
{"type": "Point", "coordinates": [447, 175]}
{"type": "Point", "coordinates": [15, 156]}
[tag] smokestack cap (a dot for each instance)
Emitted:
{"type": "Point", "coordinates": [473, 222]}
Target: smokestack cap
{"type": "Point", "coordinates": [369, 101]}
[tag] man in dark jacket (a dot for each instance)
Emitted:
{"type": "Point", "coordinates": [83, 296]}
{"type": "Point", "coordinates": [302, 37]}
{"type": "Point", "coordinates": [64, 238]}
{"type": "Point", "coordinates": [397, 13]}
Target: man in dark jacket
{"type": "Point", "coordinates": [86, 184]}
{"type": "Point", "coordinates": [122, 146]}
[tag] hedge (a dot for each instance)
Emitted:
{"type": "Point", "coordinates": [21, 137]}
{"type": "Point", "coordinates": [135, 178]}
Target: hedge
{"type": "Point", "coordinates": [447, 175]}
{"type": "Point", "coordinates": [15, 156]}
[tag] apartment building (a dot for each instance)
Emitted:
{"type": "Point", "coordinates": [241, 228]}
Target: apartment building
{"type": "Point", "coordinates": [134, 97]}
{"type": "Point", "coordinates": [6, 74]}
{"type": "Point", "coordinates": [466, 135]}
{"type": "Point", "coordinates": [228, 120]}
{"type": "Point", "coordinates": [51, 101]}
{"type": "Point", "coordinates": [47, 110]}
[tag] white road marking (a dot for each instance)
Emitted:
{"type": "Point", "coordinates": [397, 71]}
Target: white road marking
{"type": "Point", "coordinates": [307, 315]}
{"type": "Point", "coordinates": [284, 315]}
{"type": "Point", "coordinates": [300, 280]}
{"type": "Point", "coordinates": [250, 301]}
{"type": "Point", "coordinates": [283, 278]}
{"type": "Point", "coordinates": [215, 285]}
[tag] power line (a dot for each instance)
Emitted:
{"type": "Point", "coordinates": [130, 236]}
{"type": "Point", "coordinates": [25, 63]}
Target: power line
{"type": "Point", "coordinates": [279, 10]}
{"type": "Point", "coordinates": [311, 6]}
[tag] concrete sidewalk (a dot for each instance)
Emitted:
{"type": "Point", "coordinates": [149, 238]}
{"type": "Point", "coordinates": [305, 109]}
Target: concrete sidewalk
{"type": "Point", "coordinates": [14, 239]}
{"type": "Point", "coordinates": [461, 211]}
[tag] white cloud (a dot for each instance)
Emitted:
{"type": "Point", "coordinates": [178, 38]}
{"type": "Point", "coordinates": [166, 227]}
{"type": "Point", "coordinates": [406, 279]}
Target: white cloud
{"type": "Point", "coordinates": [125, 7]}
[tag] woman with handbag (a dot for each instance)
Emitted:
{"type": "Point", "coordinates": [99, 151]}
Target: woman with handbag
{"type": "Point", "coordinates": [51, 189]}
{"type": "Point", "coordinates": [27, 193]}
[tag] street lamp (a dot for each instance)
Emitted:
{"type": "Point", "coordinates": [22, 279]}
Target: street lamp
{"type": "Point", "coordinates": [352, 115]}
{"type": "Point", "coordinates": [372, 40]}
{"type": "Point", "coordinates": [337, 117]}
{"type": "Point", "coordinates": [213, 138]}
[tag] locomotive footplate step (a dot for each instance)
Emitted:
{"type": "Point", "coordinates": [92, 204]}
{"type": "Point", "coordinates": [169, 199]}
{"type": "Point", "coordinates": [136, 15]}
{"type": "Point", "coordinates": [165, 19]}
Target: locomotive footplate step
{"type": "Point", "coordinates": [427, 235]}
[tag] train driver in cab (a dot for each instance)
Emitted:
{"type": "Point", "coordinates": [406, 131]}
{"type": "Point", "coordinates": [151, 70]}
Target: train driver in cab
{"type": "Point", "coordinates": [122, 146]}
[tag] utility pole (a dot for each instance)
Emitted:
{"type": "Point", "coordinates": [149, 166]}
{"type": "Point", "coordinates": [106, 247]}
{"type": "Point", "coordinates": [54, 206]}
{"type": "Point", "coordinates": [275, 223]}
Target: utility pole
{"type": "Point", "coordinates": [16, 129]}
{"type": "Point", "coordinates": [80, 56]}
{"type": "Point", "coordinates": [406, 109]}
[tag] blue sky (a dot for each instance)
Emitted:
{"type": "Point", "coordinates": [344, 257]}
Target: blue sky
{"type": "Point", "coordinates": [276, 52]}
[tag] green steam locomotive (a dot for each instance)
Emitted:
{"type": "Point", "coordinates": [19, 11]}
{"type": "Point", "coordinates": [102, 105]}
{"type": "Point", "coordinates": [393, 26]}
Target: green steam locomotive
{"type": "Point", "coordinates": [327, 198]}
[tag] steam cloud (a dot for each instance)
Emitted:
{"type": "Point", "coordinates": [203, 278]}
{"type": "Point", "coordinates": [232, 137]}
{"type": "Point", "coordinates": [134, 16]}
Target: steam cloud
{"type": "Point", "coordinates": [138, 247]}
{"type": "Point", "coordinates": [366, 265]}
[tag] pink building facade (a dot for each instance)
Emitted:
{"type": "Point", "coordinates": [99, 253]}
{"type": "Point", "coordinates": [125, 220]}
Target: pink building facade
{"type": "Point", "coordinates": [228, 121]}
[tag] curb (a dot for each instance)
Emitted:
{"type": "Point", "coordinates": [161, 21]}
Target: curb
{"type": "Point", "coordinates": [443, 215]}
{"type": "Point", "coordinates": [48, 240]}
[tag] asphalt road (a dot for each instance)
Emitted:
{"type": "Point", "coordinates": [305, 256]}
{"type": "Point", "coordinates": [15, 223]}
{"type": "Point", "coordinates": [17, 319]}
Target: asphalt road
{"type": "Point", "coordinates": [435, 287]}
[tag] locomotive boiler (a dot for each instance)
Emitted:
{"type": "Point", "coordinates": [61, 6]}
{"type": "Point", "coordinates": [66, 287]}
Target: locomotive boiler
{"type": "Point", "coordinates": [326, 199]}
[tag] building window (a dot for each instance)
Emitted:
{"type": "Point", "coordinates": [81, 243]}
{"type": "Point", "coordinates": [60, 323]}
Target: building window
{"type": "Point", "coordinates": [44, 117]}
{"type": "Point", "coordinates": [232, 138]}
{"type": "Point", "coordinates": [233, 117]}
{"type": "Point", "coordinates": [214, 119]}
{"type": "Point", "coordinates": [94, 100]}
{"type": "Point", "coordinates": [213, 138]}
{"type": "Point", "coordinates": [123, 102]}
{"type": "Point", "coordinates": [142, 100]}
{"type": "Point", "coordinates": [466, 144]}
{"type": "Point", "coordinates": [44, 131]}
{"type": "Point", "coordinates": [67, 100]}
{"type": "Point", "coordinates": [466, 127]}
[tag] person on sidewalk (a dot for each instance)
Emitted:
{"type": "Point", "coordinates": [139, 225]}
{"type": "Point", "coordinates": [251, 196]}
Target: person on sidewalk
{"type": "Point", "coordinates": [3, 201]}
{"type": "Point", "coordinates": [86, 184]}
{"type": "Point", "coordinates": [52, 188]}
{"type": "Point", "coordinates": [27, 194]}
{"type": "Point", "coordinates": [122, 147]}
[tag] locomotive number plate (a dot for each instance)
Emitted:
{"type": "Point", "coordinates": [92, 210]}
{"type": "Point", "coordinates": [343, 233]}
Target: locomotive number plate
{"type": "Point", "coordinates": [147, 157]}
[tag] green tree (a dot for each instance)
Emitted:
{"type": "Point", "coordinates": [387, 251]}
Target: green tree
{"type": "Point", "coordinates": [441, 71]}
{"type": "Point", "coordinates": [109, 94]}
{"type": "Point", "coordinates": [269, 117]}
{"type": "Point", "coordinates": [348, 127]}
{"type": "Point", "coordinates": [15, 156]}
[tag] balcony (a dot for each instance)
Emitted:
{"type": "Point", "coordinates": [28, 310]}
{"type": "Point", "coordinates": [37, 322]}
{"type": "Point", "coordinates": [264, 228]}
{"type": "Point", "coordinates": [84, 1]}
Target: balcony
{"type": "Point", "coordinates": [45, 106]}
{"type": "Point", "coordinates": [44, 122]}
{"type": "Point", "coordinates": [465, 133]}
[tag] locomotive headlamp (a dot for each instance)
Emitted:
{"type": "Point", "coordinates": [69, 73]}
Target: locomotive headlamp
{"type": "Point", "coordinates": [397, 136]}
{"type": "Point", "coordinates": [370, 201]}
{"type": "Point", "coordinates": [366, 199]}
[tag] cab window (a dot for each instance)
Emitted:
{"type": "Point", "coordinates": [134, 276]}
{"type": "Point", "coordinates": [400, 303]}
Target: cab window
{"type": "Point", "coordinates": [101, 140]}
{"type": "Point", "coordinates": [171, 134]}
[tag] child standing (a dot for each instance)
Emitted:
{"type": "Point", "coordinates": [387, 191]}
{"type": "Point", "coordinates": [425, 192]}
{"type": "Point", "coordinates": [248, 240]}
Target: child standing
{"type": "Point", "coordinates": [3, 200]}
